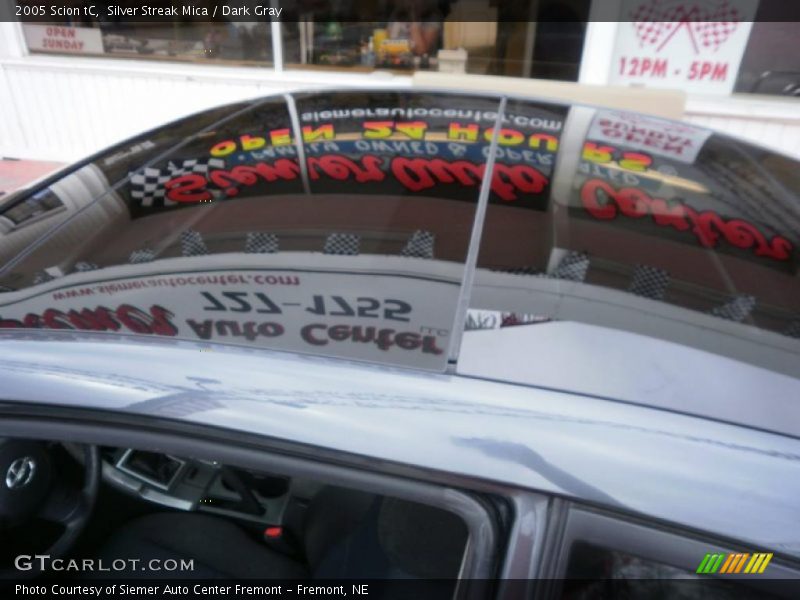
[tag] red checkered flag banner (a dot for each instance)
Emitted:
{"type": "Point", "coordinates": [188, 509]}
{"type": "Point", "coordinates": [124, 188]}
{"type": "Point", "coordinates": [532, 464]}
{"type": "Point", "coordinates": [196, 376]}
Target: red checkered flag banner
{"type": "Point", "coordinates": [709, 24]}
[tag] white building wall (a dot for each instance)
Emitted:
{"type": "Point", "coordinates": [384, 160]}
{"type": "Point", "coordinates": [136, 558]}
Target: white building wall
{"type": "Point", "coordinates": [66, 107]}
{"type": "Point", "coordinates": [770, 121]}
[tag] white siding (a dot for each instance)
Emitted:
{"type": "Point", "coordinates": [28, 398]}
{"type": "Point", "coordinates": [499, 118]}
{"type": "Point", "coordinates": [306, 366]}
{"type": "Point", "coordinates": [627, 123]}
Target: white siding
{"type": "Point", "coordinates": [783, 135]}
{"type": "Point", "coordinates": [63, 108]}
{"type": "Point", "coordinates": [54, 108]}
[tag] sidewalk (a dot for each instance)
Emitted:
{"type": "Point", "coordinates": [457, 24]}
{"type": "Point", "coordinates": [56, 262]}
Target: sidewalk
{"type": "Point", "coordinates": [14, 174]}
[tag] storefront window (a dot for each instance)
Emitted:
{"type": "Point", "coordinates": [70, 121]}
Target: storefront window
{"type": "Point", "coordinates": [181, 39]}
{"type": "Point", "coordinates": [767, 67]}
{"type": "Point", "coordinates": [531, 39]}
{"type": "Point", "coordinates": [523, 39]}
{"type": "Point", "coordinates": [658, 44]}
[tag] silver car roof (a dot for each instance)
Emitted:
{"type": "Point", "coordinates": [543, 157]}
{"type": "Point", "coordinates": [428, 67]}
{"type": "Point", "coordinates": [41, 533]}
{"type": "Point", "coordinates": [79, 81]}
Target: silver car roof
{"type": "Point", "coordinates": [699, 473]}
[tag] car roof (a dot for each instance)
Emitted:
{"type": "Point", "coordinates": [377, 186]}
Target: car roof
{"type": "Point", "coordinates": [699, 473]}
{"type": "Point", "coordinates": [738, 299]}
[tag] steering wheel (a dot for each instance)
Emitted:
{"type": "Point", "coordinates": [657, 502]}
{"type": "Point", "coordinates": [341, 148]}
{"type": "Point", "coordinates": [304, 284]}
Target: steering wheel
{"type": "Point", "coordinates": [30, 487]}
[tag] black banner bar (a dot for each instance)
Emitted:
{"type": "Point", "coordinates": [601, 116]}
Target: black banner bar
{"type": "Point", "coordinates": [219, 589]}
{"type": "Point", "coordinates": [87, 12]}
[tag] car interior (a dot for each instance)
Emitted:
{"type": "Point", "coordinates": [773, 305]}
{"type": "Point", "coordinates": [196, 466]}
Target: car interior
{"type": "Point", "coordinates": [120, 503]}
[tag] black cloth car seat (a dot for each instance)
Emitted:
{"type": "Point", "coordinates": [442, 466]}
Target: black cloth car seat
{"type": "Point", "coordinates": [347, 534]}
{"type": "Point", "coordinates": [217, 547]}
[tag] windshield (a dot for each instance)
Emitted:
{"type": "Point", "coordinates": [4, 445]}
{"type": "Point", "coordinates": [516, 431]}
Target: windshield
{"type": "Point", "coordinates": [341, 223]}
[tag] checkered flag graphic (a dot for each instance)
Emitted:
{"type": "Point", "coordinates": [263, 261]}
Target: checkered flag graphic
{"type": "Point", "coordinates": [143, 255]}
{"type": "Point", "coordinates": [654, 21]}
{"type": "Point", "coordinates": [420, 244]}
{"type": "Point", "coordinates": [650, 32]}
{"type": "Point", "coordinates": [793, 330]}
{"type": "Point", "coordinates": [342, 244]}
{"type": "Point", "coordinates": [192, 243]}
{"type": "Point", "coordinates": [573, 267]}
{"type": "Point", "coordinates": [147, 184]}
{"type": "Point", "coordinates": [261, 243]}
{"type": "Point", "coordinates": [649, 282]}
{"type": "Point", "coordinates": [713, 34]}
{"type": "Point", "coordinates": [657, 21]}
{"type": "Point", "coordinates": [82, 266]}
{"type": "Point", "coordinates": [524, 270]}
{"type": "Point", "coordinates": [736, 309]}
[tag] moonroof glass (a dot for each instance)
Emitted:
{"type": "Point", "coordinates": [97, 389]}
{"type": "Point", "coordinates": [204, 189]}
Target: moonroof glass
{"type": "Point", "coordinates": [658, 229]}
{"type": "Point", "coordinates": [335, 223]}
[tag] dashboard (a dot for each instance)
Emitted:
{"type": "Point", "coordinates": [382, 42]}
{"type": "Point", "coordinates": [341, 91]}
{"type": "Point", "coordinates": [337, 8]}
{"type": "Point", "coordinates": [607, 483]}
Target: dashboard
{"type": "Point", "coordinates": [202, 485]}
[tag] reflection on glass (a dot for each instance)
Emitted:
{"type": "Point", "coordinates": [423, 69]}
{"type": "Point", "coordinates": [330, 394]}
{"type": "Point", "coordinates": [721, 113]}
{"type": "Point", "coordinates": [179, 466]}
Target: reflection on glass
{"type": "Point", "coordinates": [347, 240]}
{"type": "Point", "coordinates": [766, 67]}
{"type": "Point", "coordinates": [592, 570]}
{"type": "Point", "coordinates": [31, 208]}
{"type": "Point", "coordinates": [651, 227]}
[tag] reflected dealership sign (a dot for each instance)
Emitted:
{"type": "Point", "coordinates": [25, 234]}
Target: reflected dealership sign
{"type": "Point", "coordinates": [670, 139]}
{"type": "Point", "coordinates": [380, 317]}
{"type": "Point", "coordinates": [674, 181]}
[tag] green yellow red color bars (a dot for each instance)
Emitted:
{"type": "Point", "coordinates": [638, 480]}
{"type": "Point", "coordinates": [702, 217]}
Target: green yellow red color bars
{"type": "Point", "coordinates": [735, 563]}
